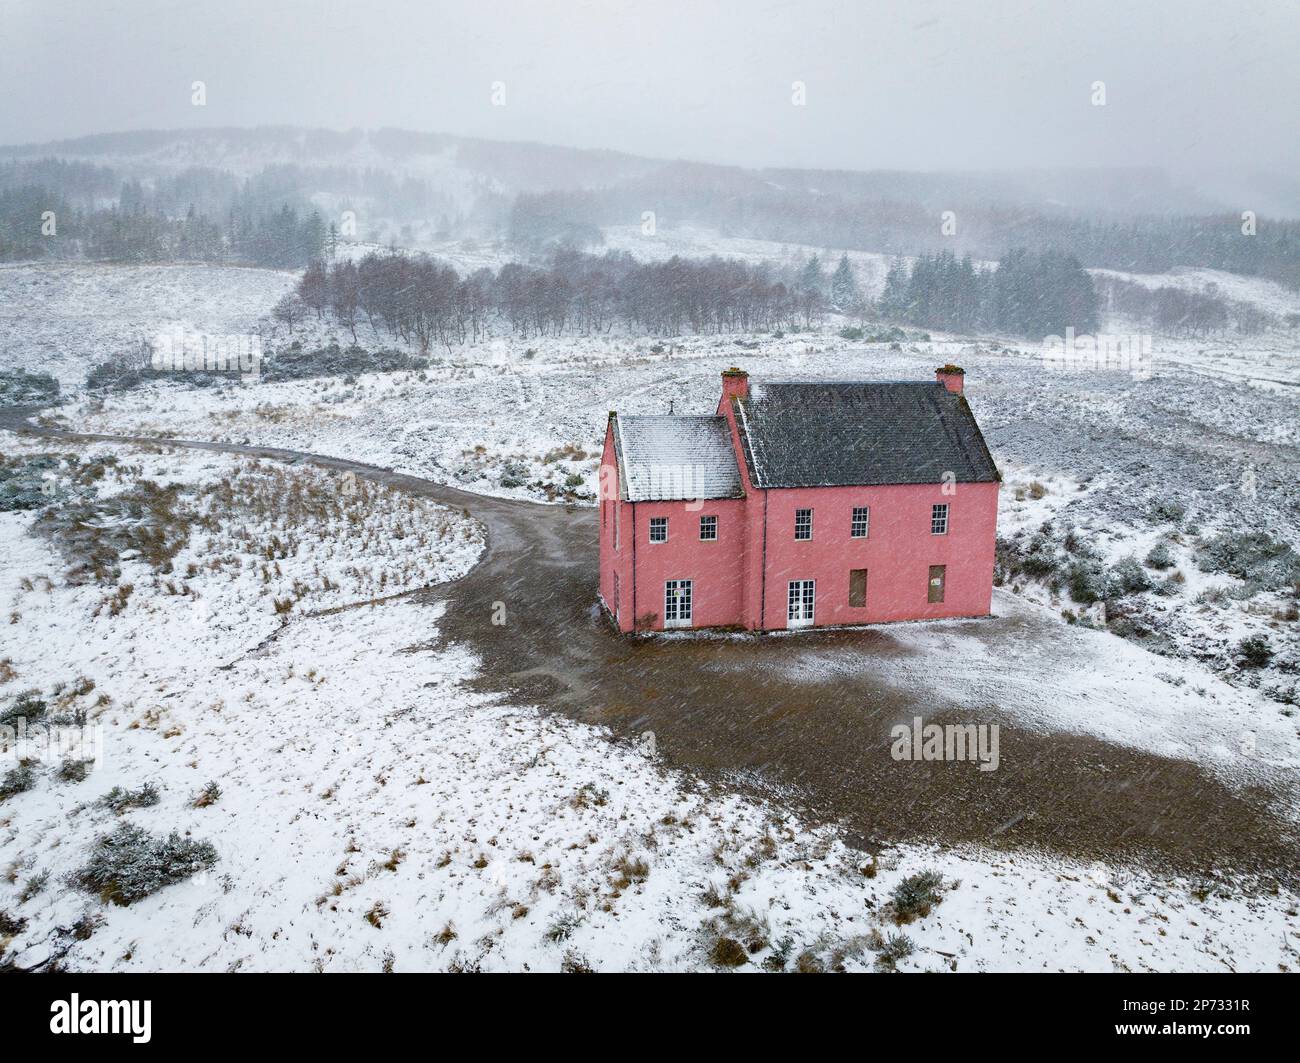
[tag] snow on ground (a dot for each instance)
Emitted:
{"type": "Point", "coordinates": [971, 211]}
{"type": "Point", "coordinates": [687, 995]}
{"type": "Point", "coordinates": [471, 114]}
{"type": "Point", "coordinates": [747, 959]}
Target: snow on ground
{"type": "Point", "coordinates": [65, 318]}
{"type": "Point", "coordinates": [1120, 464]}
{"type": "Point", "coordinates": [495, 419]}
{"type": "Point", "coordinates": [686, 241]}
{"type": "Point", "coordinates": [689, 241]}
{"type": "Point", "coordinates": [1266, 294]}
{"type": "Point", "coordinates": [373, 813]}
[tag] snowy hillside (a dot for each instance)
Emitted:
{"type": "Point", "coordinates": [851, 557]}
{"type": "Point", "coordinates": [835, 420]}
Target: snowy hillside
{"type": "Point", "coordinates": [64, 319]}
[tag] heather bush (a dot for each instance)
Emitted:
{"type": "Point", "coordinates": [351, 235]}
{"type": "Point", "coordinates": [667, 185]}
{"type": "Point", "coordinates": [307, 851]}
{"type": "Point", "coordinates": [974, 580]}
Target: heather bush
{"type": "Point", "coordinates": [120, 800]}
{"type": "Point", "coordinates": [916, 895]}
{"type": "Point", "coordinates": [1255, 652]}
{"type": "Point", "coordinates": [1160, 557]}
{"type": "Point", "coordinates": [1255, 557]}
{"type": "Point", "coordinates": [1128, 577]}
{"type": "Point", "coordinates": [130, 863]}
{"type": "Point", "coordinates": [17, 780]}
{"type": "Point", "coordinates": [27, 706]}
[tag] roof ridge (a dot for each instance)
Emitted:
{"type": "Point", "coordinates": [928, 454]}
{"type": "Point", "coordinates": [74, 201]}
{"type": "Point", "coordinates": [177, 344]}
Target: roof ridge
{"type": "Point", "coordinates": [749, 440]}
{"type": "Point", "coordinates": [672, 416]}
{"type": "Point", "coordinates": [840, 380]}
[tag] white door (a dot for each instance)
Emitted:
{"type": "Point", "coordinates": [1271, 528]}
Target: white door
{"type": "Point", "coordinates": [678, 599]}
{"type": "Point", "coordinates": [803, 598]}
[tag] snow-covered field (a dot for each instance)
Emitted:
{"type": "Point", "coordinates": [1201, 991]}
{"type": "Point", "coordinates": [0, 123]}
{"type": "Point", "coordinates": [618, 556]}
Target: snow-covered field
{"type": "Point", "coordinates": [1209, 440]}
{"type": "Point", "coordinates": [1268, 295]}
{"type": "Point", "coordinates": [65, 318]}
{"type": "Point", "coordinates": [371, 812]}
{"type": "Point", "coordinates": [688, 241]}
{"type": "Point", "coordinates": [374, 811]}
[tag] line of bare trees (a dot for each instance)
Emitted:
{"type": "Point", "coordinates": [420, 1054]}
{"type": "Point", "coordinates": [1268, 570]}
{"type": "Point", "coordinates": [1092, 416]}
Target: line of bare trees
{"type": "Point", "coordinates": [426, 303]}
{"type": "Point", "coordinates": [1182, 311]}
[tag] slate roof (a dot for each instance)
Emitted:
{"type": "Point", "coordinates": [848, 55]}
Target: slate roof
{"type": "Point", "coordinates": [840, 433]}
{"type": "Point", "coordinates": [664, 458]}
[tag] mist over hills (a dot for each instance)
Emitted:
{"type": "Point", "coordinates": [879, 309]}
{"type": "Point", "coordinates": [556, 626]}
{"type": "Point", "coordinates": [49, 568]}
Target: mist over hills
{"type": "Point", "coordinates": [413, 188]}
{"type": "Point", "coordinates": [521, 166]}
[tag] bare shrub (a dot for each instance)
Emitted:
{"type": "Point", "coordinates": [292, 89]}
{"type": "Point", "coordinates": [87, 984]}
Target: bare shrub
{"type": "Point", "coordinates": [209, 795]}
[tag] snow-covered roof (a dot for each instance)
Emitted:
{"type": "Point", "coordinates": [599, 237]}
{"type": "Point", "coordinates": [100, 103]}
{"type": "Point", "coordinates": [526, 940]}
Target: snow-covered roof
{"type": "Point", "coordinates": [666, 458]}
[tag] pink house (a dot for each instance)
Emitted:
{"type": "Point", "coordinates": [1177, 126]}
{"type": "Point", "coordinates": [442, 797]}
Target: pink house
{"type": "Point", "coordinates": [800, 504]}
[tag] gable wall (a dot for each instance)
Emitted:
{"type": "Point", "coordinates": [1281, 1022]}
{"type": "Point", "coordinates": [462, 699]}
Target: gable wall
{"type": "Point", "coordinates": [752, 547]}
{"type": "Point", "coordinates": [612, 511]}
{"type": "Point", "coordinates": [715, 567]}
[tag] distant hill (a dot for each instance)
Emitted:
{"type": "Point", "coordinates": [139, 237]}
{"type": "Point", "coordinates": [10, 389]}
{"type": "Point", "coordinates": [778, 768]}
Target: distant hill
{"type": "Point", "coordinates": [418, 188]}
{"type": "Point", "coordinates": [517, 166]}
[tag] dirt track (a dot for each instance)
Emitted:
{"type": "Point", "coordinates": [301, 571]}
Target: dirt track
{"type": "Point", "coordinates": [725, 709]}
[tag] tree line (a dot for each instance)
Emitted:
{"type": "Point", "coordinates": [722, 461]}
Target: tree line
{"type": "Point", "coordinates": [902, 225]}
{"type": "Point", "coordinates": [1184, 311]}
{"type": "Point", "coordinates": [425, 302]}
{"type": "Point", "coordinates": [1027, 293]}
{"type": "Point", "coordinates": [56, 220]}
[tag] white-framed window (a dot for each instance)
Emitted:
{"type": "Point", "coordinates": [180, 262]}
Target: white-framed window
{"type": "Point", "coordinates": [861, 522]}
{"type": "Point", "coordinates": [803, 523]}
{"type": "Point", "coordinates": [679, 599]}
{"type": "Point", "coordinates": [658, 529]}
{"type": "Point", "coordinates": [802, 603]}
{"type": "Point", "coordinates": [939, 518]}
{"type": "Point", "coordinates": [709, 529]}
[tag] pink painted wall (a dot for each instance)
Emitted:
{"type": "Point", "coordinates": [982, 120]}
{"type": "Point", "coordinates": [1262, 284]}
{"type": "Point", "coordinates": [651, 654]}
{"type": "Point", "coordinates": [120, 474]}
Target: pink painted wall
{"type": "Point", "coordinates": [642, 568]}
{"type": "Point", "coordinates": [615, 563]}
{"type": "Point", "coordinates": [714, 566]}
{"type": "Point", "coordinates": [897, 552]}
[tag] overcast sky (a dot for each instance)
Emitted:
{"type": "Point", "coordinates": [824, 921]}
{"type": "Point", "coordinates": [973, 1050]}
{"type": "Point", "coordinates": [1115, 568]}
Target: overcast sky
{"type": "Point", "coordinates": [929, 84]}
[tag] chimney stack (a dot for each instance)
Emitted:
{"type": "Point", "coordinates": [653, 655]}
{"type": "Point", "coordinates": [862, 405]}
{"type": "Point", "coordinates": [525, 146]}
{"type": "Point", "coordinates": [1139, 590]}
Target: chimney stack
{"type": "Point", "coordinates": [735, 384]}
{"type": "Point", "coordinates": [953, 377]}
